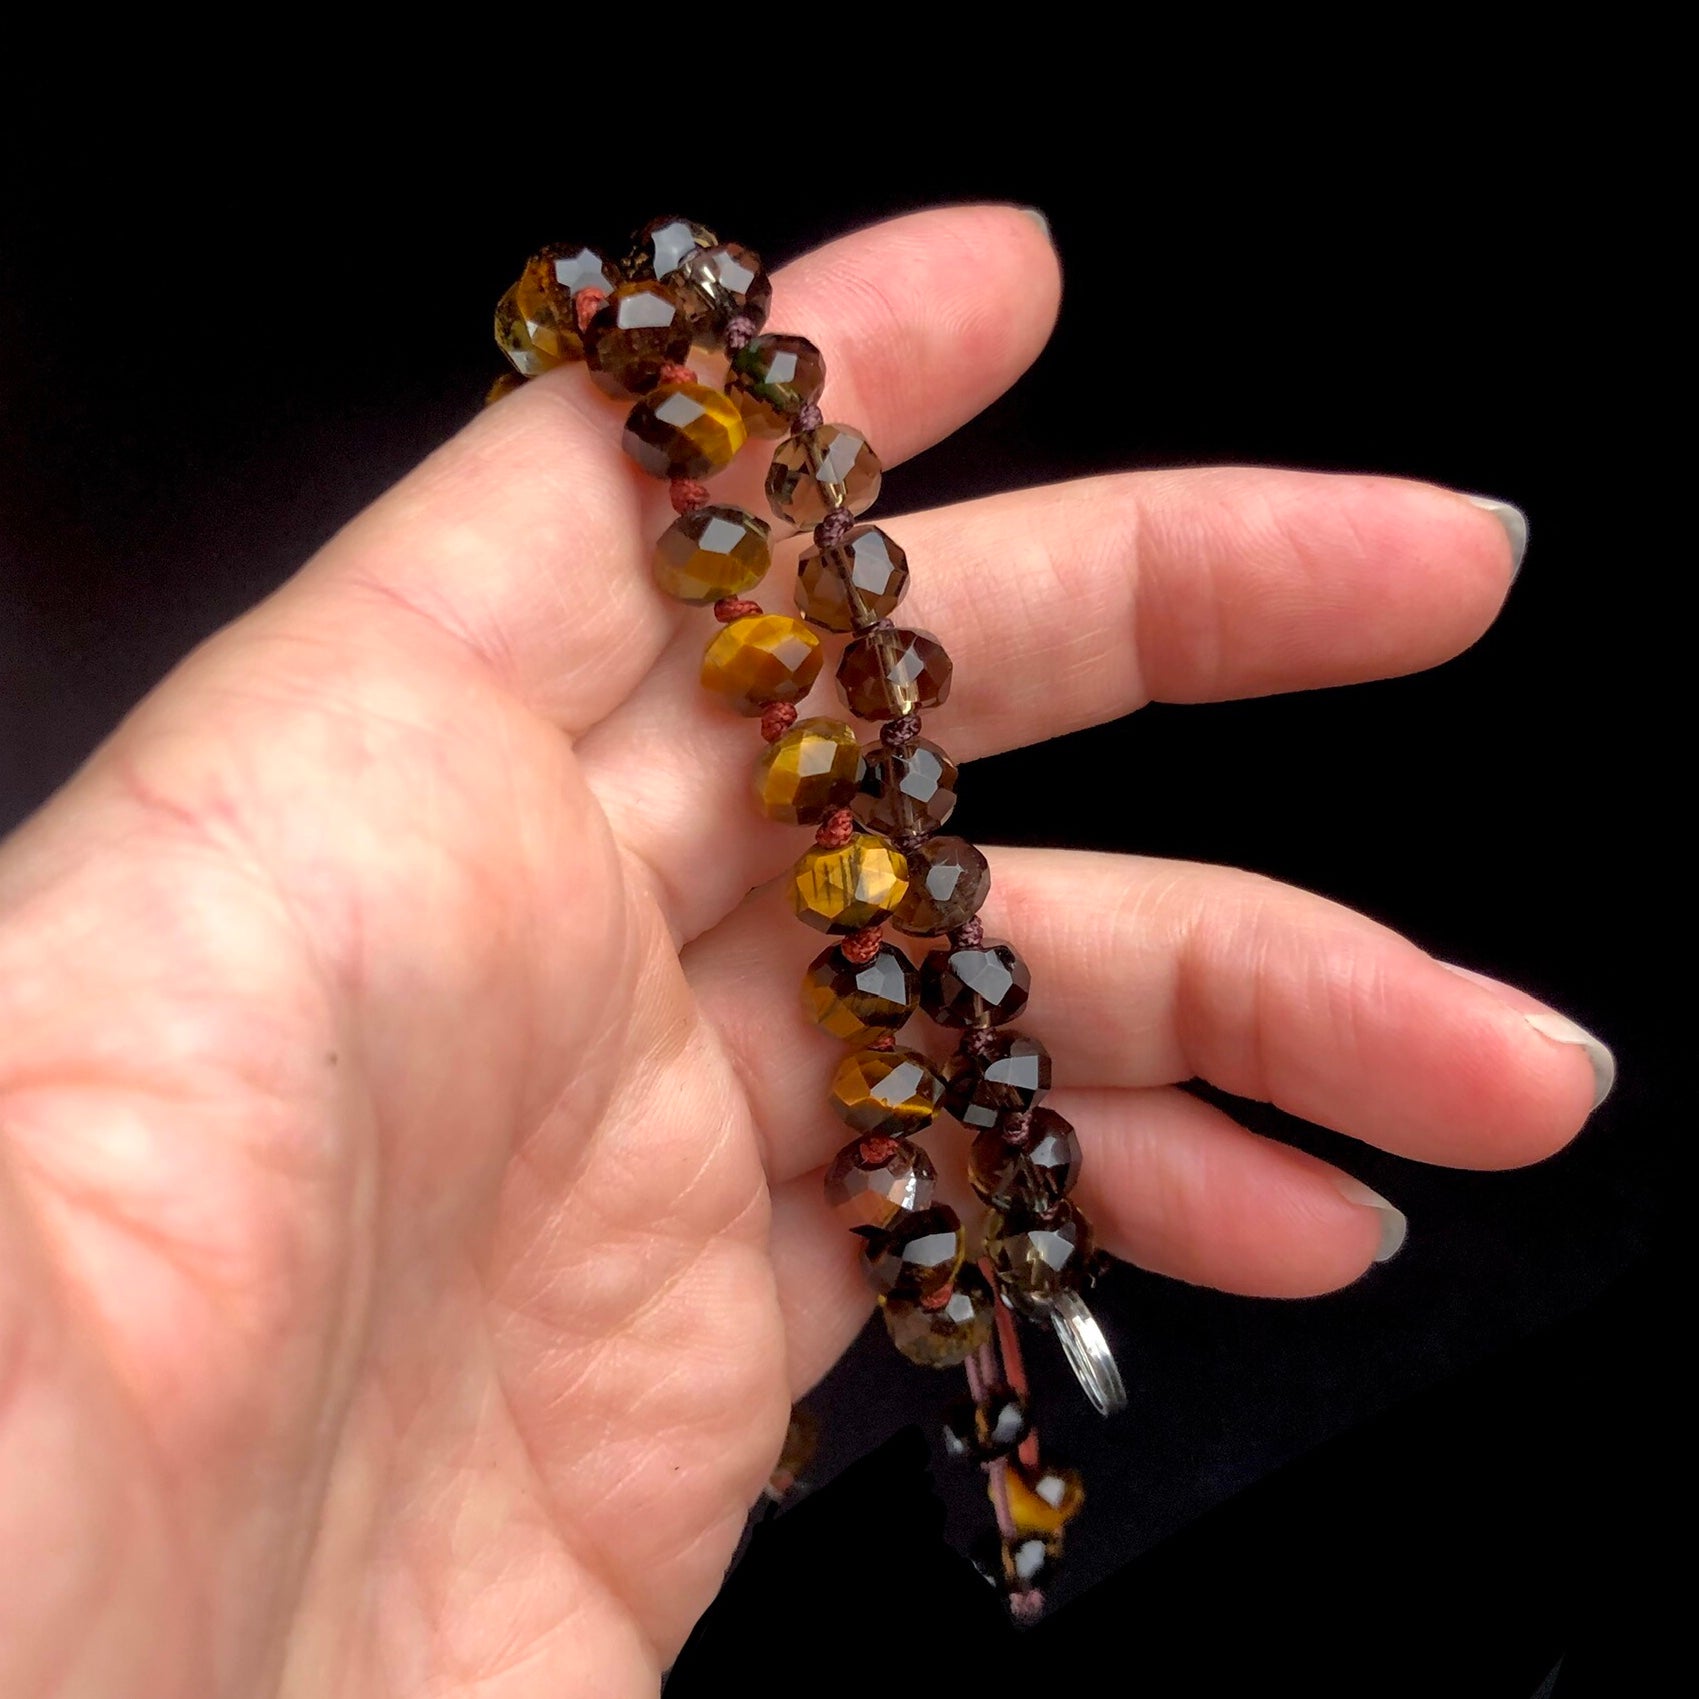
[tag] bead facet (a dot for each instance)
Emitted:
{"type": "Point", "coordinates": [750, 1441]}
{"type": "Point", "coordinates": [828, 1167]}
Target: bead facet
{"type": "Point", "coordinates": [946, 1336]}
{"type": "Point", "coordinates": [876, 1181]}
{"type": "Point", "coordinates": [841, 586]}
{"type": "Point", "coordinates": [850, 887]}
{"type": "Point", "coordinates": [531, 345]}
{"type": "Point", "coordinates": [918, 1255]}
{"type": "Point", "coordinates": [982, 1086]}
{"type": "Point", "coordinates": [1032, 1178]}
{"type": "Point", "coordinates": [663, 244]}
{"type": "Point", "coordinates": [761, 658]}
{"type": "Point", "coordinates": [857, 1001]}
{"type": "Point", "coordinates": [559, 272]}
{"type": "Point", "coordinates": [974, 985]}
{"type": "Point", "coordinates": [810, 770]}
{"type": "Point", "coordinates": [906, 792]}
{"type": "Point", "coordinates": [816, 471]}
{"type": "Point", "coordinates": [712, 552]}
{"type": "Point", "coordinates": [683, 430]}
{"type": "Point", "coordinates": [1038, 1257]}
{"type": "Point", "coordinates": [715, 285]}
{"type": "Point", "coordinates": [894, 1092]}
{"type": "Point", "coordinates": [1043, 1501]}
{"type": "Point", "coordinates": [772, 378]}
{"type": "Point", "coordinates": [637, 331]}
{"type": "Point", "coordinates": [889, 673]}
{"type": "Point", "coordinates": [948, 881]}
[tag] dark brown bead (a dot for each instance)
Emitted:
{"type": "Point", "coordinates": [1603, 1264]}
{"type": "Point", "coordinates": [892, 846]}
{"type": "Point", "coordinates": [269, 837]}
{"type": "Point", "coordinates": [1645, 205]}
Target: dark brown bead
{"type": "Point", "coordinates": [981, 985]}
{"type": "Point", "coordinates": [567, 267]}
{"type": "Point", "coordinates": [853, 583]}
{"type": "Point", "coordinates": [1037, 1258]}
{"type": "Point", "coordinates": [908, 792]}
{"type": "Point", "coordinates": [712, 552]}
{"type": "Point", "coordinates": [869, 1195]}
{"type": "Point", "coordinates": [772, 378]}
{"type": "Point", "coordinates": [1006, 1077]}
{"type": "Point", "coordinates": [894, 1092]}
{"type": "Point", "coordinates": [947, 1334]}
{"type": "Point", "coordinates": [816, 471]}
{"type": "Point", "coordinates": [1033, 1177]}
{"type": "Point", "coordinates": [858, 1001]}
{"type": "Point", "coordinates": [718, 284]}
{"type": "Point", "coordinates": [683, 430]}
{"type": "Point", "coordinates": [889, 673]}
{"type": "Point", "coordinates": [808, 770]}
{"type": "Point", "coordinates": [637, 331]}
{"type": "Point", "coordinates": [663, 244]}
{"type": "Point", "coordinates": [948, 881]}
{"type": "Point", "coordinates": [918, 1255]}
{"type": "Point", "coordinates": [981, 1431]}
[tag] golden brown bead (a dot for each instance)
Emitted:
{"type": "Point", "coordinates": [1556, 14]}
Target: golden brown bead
{"type": "Point", "coordinates": [712, 552]}
{"type": "Point", "coordinates": [946, 1335]}
{"type": "Point", "coordinates": [848, 888]}
{"type": "Point", "coordinates": [860, 1001]}
{"type": "Point", "coordinates": [532, 345]}
{"type": "Point", "coordinates": [894, 1092]}
{"type": "Point", "coordinates": [808, 771]}
{"type": "Point", "coordinates": [816, 471]}
{"type": "Point", "coordinates": [1043, 1501]}
{"type": "Point", "coordinates": [761, 658]}
{"type": "Point", "coordinates": [504, 386]}
{"type": "Point", "coordinates": [683, 430]}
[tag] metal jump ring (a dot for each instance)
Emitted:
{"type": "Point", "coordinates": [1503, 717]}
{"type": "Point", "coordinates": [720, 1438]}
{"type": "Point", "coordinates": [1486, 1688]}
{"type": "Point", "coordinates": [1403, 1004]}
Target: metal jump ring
{"type": "Point", "coordinates": [1088, 1353]}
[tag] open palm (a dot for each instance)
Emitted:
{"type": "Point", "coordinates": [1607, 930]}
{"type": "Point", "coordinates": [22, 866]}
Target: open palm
{"type": "Point", "coordinates": [410, 1222]}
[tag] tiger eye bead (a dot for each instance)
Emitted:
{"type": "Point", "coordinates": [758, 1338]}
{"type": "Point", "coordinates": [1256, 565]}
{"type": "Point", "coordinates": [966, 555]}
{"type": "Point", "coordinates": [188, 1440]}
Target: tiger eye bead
{"type": "Point", "coordinates": [982, 1430]}
{"type": "Point", "coordinates": [504, 386]}
{"type": "Point", "coordinates": [638, 330]}
{"type": "Point", "coordinates": [876, 1181]}
{"type": "Point", "coordinates": [974, 985]}
{"type": "Point", "coordinates": [1037, 1258]}
{"type": "Point", "coordinates": [810, 770]}
{"type": "Point", "coordinates": [851, 583]}
{"type": "Point", "coordinates": [893, 1092]}
{"type": "Point", "coordinates": [906, 792]}
{"type": "Point", "coordinates": [981, 1087]}
{"type": "Point", "coordinates": [662, 246]}
{"type": "Point", "coordinates": [1043, 1501]}
{"type": "Point", "coordinates": [683, 430]}
{"type": "Point", "coordinates": [849, 888]}
{"type": "Point", "coordinates": [1033, 1177]}
{"type": "Point", "coordinates": [918, 1255]}
{"type": "Point", "coordinates": [715, 285]}
{"type": "Point", "coordinates": [859, 1001]}
{"type": "Point", "coordinates": [946, 1335]}
{"type": "Point", "coordinates": [712, 552]}
{"type": "Point", "coordinates": [890, 673]}
{"type": "Point", "coordinates": [761, 658]}
{"type": "Point", "coordinates": [772, 378]}
{"type": "Point", "coordinates": [531, 343]}
{"type": "Point", "coordinates": [816, 471]}
{"type": "Point", "coordinates": [948, 882]}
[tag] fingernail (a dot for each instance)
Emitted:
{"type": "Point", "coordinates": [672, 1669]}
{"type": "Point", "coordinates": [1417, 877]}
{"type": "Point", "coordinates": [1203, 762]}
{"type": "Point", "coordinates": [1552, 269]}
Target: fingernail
{"type": "Point", "coordinates": [1565, 1031]}
{"type": "Point", "coordinates": [1041, 221]}
{"type": "Point", "coordinates": [1515, 523]}
{"type": "Point", "coordinates": [1393, 1225]}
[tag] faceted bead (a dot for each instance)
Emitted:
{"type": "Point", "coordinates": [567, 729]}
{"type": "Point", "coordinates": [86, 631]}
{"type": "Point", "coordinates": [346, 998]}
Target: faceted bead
{"type": "Point", "coordinates": [816, 471]}
{"type": "Point", "coordinates": [984, 1086]}
{"type": "Point", "coordinates": [663, 244]}
{"type": "Point", "coordinates": [981, 1431]}
{"type": "Point", "coordinates": [683, 430]}
{"type": "Point", "coordinates": [974, 985]}
{"type": "Point", "coordinates": [945, 1337]}
{"type": "Point", "coordinates": [873, 1182]}
{"type": "Point", "coordinates": [761, 658]}
{"type": "Point", "coordinates": [907, 792]}
{"type": "Point", "coordinates": [846, 889]}
{"type": "Point", "coordinates": [917, 1256]}
{"type": "Point", "coordinates": [772, 378]}
{"type": "Point", "coordinates": [812, 769]}
{"type": "Point", "coordinates": [638, 330]}
{"type": "Point", "coordinates": [504, 386]}
{"type": "Point", "coordinates": [890, 673]}
{"type": "Point", "coordinates": [1038, 1257]}
{"type": "Point", "coordinates": [1033, 1178]}
{"type": "Point", "coordinates": [851, 583]}
{"type": "Point", "coordinates": [712, 552]}
{"type": "Point", "coordinates": [894, 1092]}
{"type": "Point", "coordinates": [857, 1001]}
{"type": "Point", "coordinates": [1025, 1564]}
{"type": "Point", "coordinates": [1043, 1501]}
{"type": "Point", "coordinates": [948, 881]}
{"type": "Point", "coordinates": [718, 284]}
{"type": "Point", "coordinates": [531, 344]}
{"type": "Point", "coordinates": [802, 1440]}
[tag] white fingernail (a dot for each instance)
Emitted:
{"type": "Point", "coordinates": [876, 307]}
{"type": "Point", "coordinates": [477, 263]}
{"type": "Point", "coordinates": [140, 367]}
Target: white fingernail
{"type": "Point", "coordinates": [1042, 222]}
{"type": "Point", "coordinates": [1393, 1225]}
{"type": "Point", "coordinates": [1566, 1031]}
{"type": "Point", "coordinates": [1515, 523]}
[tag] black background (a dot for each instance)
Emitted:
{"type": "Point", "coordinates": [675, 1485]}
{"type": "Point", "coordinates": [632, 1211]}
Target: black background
{"type": "Point", "coordinates": [1440, 1481]}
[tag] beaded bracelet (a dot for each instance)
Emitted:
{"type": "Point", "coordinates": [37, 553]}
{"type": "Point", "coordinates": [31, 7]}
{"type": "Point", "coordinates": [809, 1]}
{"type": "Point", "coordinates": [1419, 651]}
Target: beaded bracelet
{"type": "Point", "coordinates": [877, 858]}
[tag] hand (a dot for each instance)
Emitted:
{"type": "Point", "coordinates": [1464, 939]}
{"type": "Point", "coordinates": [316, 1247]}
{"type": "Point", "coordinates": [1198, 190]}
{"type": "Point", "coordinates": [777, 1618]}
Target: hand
{"type": "Point", "coordinates": [410, 1224]}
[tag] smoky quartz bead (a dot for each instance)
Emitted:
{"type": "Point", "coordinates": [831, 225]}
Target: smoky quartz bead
{"type": "Point", "coordinates": [890, 673]}
{"type": "Point", "coordinates": [662, 246]}
{"type": "Point", "coordinates": [858, 1001]}
{"type": "Point", "coordinates": [948, 882]}
{"type": "Point", "coordinates": [851, 583]}
{"type": "Point", "coordinates": [907, 792]}
{"type": "Point", "coordinates": [816, 471]}
{"type": "Point", "coordinates": [874, 1182]}
{"type": "Point", "coordinates": [1033, 1176]}
{"type": "Point", "coordinates": [636, 332]}
{"type": "Point", "coordinates": [917, 1255]}
{"type": "Point", "coordinates": [1038, 1257]}
{"type": "Point", "coordinates": [772, 378]}
{"type": "Point", "coordinates": [967, 985]}
{"type": "Point", "coordinates": [982, 1086]}
{"type": "Point", "coordinates": [715, 285]}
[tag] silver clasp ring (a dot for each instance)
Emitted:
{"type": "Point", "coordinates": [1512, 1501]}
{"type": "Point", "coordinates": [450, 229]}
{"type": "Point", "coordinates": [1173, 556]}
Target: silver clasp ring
{"type": "Point", "coordinates": [1088, 1353]}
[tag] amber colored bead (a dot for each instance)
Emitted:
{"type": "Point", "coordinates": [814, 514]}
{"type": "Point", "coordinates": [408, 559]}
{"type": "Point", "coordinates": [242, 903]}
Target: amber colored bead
{"type": "Point", "coordinates": [808, 771]}
{"type": "Point", "coordinates": [982, 1086]}
{"type": "Point", "coordinates": [858, 1001]}
{"type": "Point", "coordinates": [908, 792]}
{"type": "Point", "coordinates": [869, 1196]}
{"type": "Point", "coordinates": [890, 673]}
{"type": "Point", "coordinates": [1033, 1177]}
{"type": "Point", "coordinates": [712, 552]}
{"type": "Point", "coordinates": [1043, 1501]}
{"type": "Point", "coordinates": [530, 344]}
{"type": "Point", "coordinates": [816, 471]}
{"type": "Point", "coordinates": [638, 331]}
{"type": "Point", "coordinates": [853, 582]}
{"type": "Point", "coordinates": [982, 1430]}
{"type": "Point", "coordinates": [772, 378]}
{"type": "Point", "coordinates": [894, 1092]}
{"type": "Point", "coordinates": [802, 1440]}
{"type": "Point", "coordinates": [683, 430]}
{"type": "Point", "coordinates": [504, 386]}
{"type": "Point", "coordinates": [663, 245]}
{"type": "Point", "coordinates": [1038, 1257]}
{"type": "Point", "coordinates": [761, 658]}
{"type": "Point", "coordinates": [846, 889]}
{"type": "Point", "coordinates": [715, 285]}
{"type": "Point", "coordinates": [946, 1336]}
{"type": "Point", "coordinates": [948, 881]}
{"type": "Point", "coordinates": [918, 1255]}
{"type": "Point", "coordinates": [974, 985]}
